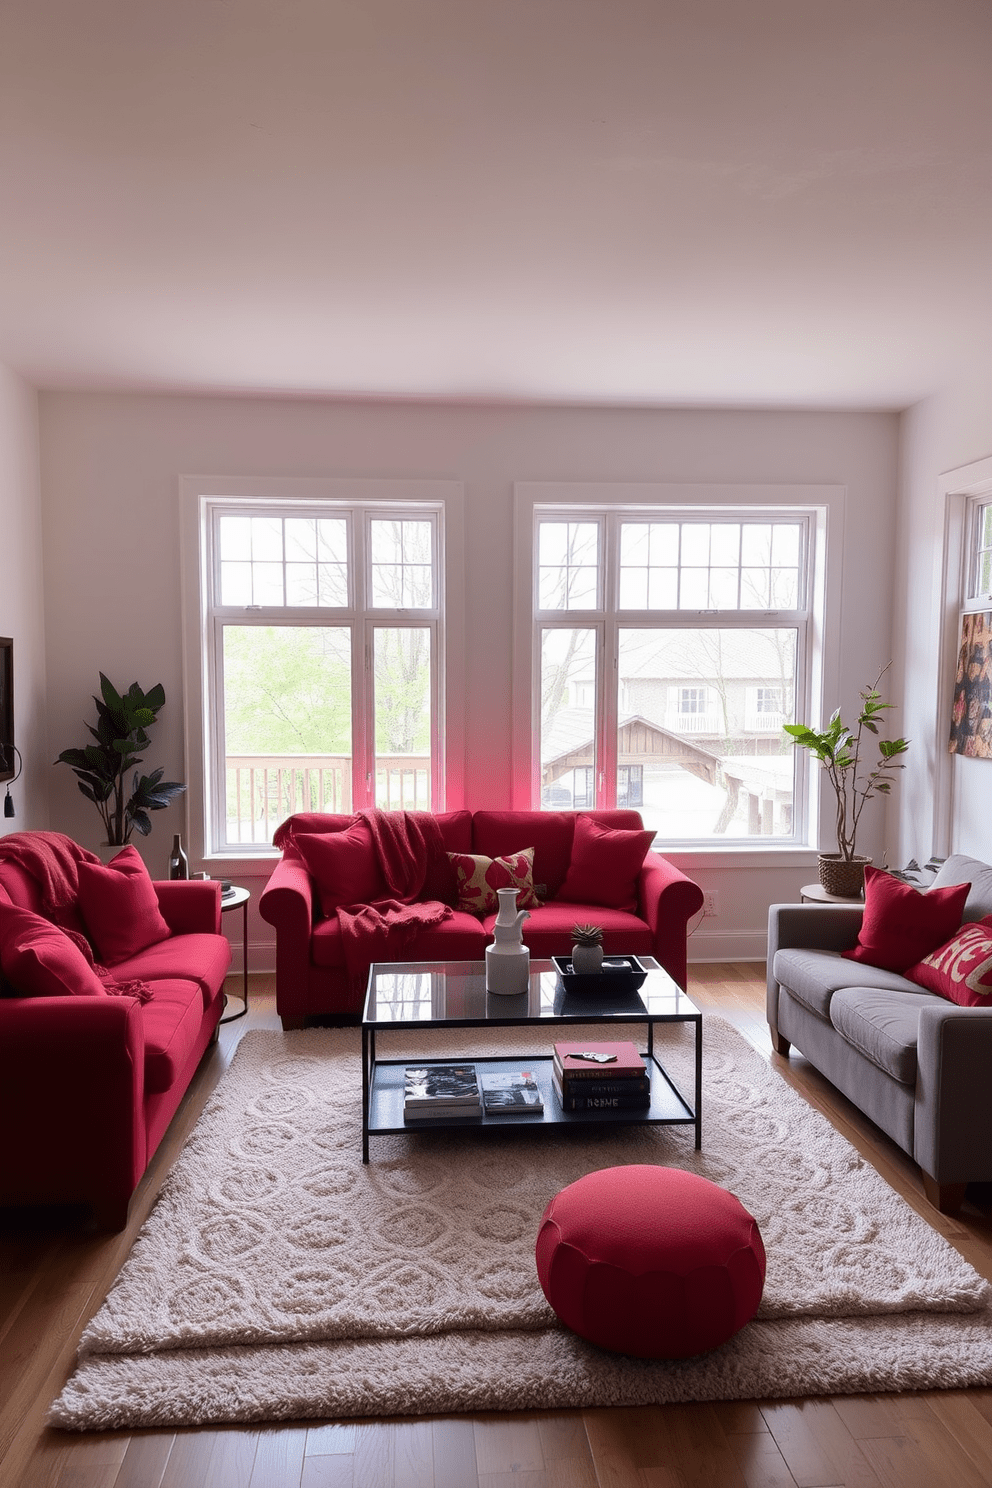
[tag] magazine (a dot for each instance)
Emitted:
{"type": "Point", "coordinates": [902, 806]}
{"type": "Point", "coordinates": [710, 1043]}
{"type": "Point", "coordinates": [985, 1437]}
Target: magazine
{"type": "Point", "coordinates": [510, 1094]}
{"type": "Point", "coordinates": [434, 1086]}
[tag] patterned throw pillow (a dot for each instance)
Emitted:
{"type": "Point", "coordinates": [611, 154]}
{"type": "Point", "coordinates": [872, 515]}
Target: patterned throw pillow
{"type": "Point", "coordinates": [961, 970]}
{"type": "Point", "coordinates": [479, 877]}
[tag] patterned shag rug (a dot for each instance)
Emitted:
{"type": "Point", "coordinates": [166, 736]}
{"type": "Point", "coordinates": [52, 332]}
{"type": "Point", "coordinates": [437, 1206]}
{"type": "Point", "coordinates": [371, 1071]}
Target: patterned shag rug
{"type": "Point", "coordinates": [279, 1279]}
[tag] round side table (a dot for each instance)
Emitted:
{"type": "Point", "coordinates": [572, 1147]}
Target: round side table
{"type": "Point", "coordinates": [816, 894]}
{"type": "Point", "coordinates": [238, 899]}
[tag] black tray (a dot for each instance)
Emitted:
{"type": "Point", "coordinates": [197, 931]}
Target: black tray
{"type": "Point", "coordinates": [603, 982]}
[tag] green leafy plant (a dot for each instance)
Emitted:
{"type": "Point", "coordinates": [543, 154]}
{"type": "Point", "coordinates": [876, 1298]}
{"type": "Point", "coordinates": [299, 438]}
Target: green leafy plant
{"type": "Point", "coordinates": [102, 767]}
{"type": "Point", "coordinates": [839, 748]}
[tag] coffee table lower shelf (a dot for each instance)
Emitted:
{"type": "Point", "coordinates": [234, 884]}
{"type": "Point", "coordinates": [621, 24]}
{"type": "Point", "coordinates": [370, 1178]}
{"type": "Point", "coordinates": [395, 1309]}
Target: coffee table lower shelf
{"type": "Point", "coordinates": [385, 1103]}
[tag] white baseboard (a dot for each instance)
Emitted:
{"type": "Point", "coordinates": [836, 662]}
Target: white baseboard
{"type": "Point", "coordinates": [728, 945]}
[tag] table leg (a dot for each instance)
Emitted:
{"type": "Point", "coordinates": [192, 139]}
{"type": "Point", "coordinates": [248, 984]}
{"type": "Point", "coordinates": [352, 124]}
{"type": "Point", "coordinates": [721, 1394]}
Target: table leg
{"type": "Point", "coordinates": [365, 1093]}
{"type": "Point", "coordinates": [699, 1084]}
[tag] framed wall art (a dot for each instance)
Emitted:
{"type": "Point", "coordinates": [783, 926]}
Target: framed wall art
{"type": "Point", "coordinates": [971, 713]}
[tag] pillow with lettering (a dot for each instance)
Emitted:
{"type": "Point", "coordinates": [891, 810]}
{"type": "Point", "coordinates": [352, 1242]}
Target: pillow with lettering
{"type": "Point", "coordinates": [961, 970]}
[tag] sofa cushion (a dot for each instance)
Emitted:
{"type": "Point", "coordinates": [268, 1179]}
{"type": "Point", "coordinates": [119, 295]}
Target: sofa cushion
{"type": "Point", "coordinates": [548, 931]}
{"type": "Point", "coordinates": [901, 925]}
{"type": "Point", "coordinates": [120, 907]}
{"type": "Point", "coordinates": [605, 865]}
{"type": "Point", "coordinates": [459, 938]}
{"type": "Point", "coordinates": [343, 865]}
{"type": "Point", "coordinates": [961, 970]}
{"type": "Point", "coordinates": [883, 1026]}
{"type": "Point", "coordinates": [812, 977]}
{"type": "Point", "coordinates": [959, 869]}
{"type": "Point", "coordinates": [200, 957]}
{"type": "Point", "coordinates": [172, 1022]}
{"type": "Point", "coordinates": [479, 878]}
{"type": "Point", "coordinates": [39, 960]}
{"type": "Point", "coordinates": [549, 833]}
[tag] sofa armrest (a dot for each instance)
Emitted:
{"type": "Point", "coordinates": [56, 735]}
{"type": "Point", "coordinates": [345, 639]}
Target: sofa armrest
{"type": "Point", "coordinates": [72, 1100]}
{"type": "Point", "coordinates": [189, 906]}
{"type": "Point", "coordinates": [287, 903]}
{"type": "Point", "coordinates": [667, 900]}
{"type": "Point", "coordinates": [810, 927]}
{"type": "Point", "coordinates": [954, 1094]}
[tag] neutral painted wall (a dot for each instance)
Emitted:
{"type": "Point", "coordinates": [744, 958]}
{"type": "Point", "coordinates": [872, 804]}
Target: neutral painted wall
{"type": "Point", "coordinates": [22, 613]}
{"type": "Point", "coordinates": [111, 465]}
{"type": "Point", "coordinates": [941, 434]}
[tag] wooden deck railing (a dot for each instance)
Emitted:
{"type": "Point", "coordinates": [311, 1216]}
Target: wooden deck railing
{"type": "Point", "coordinates": [263, 789]}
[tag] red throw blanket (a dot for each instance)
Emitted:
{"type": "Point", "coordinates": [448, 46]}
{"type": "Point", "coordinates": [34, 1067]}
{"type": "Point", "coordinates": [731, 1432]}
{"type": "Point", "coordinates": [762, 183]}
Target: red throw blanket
{"type": "Point", "coordinates": [409, 847]}
{"type": "Point", "coordinates": [413, 861]}
{"type": "Point", "coordinates": [52, 860]}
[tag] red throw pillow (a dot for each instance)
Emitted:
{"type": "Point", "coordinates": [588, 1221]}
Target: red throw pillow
{"type": "Point", "coordinates": [39, 959]}
{"type": "Point", "coordinates": [961, 970]}
{"type": "Point", "coordinates": [900, 925]}
{"type": "Point", "coordinates": [119, 905]}
{"type": "Point", "coordinates": [605, 866]}
{"type": "Point", "coordinates": [479, 877]}
{"type": "Point", "coordinates": [344, 866]}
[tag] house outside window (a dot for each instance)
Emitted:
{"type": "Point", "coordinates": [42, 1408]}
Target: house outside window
{"type": "Point", "coordinates": [323, 640]}
{"type": "Point", "coordinates": [693, 631]}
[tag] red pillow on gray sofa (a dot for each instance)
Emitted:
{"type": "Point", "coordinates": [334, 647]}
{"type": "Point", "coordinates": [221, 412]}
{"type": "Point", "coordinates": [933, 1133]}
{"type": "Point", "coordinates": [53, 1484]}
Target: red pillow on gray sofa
{"type": "Point", "coordinates": [961, 970]}
{"type": "Point", "coordinates": [119, 906]}
{"type": "Point", "coordinates": [900, 925]}
{"type": "Point", "coordinates": [39, 960]}
{"type": "Point", "coordinates": [606, 865]}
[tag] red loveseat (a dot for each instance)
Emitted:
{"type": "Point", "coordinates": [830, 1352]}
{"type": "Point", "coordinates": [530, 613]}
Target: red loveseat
{"type": "Point", "coordinates": [312, 977]}
{"type": "Point", "coordinates": [89, 1082]}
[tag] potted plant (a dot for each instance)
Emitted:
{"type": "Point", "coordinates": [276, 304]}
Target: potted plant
{"type": "Point", "coordinates": [839, 750]}
{"type": "Point", "coordinates": [102, 767]}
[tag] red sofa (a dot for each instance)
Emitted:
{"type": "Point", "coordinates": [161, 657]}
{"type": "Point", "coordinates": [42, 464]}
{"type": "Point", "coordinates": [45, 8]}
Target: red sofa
{"type": "Point", "coordinates": [89, 1083]}
{"type": "Point", "coordinates": [311, 975]}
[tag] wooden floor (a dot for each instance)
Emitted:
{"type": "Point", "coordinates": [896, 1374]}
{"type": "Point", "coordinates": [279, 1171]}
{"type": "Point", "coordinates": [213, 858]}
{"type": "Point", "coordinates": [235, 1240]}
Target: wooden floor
{"type": "Point", "coordinates": [55, 1274]}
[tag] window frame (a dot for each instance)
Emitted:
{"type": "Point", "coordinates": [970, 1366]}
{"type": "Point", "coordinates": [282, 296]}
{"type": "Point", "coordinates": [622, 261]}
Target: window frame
{"type": "Point", "coordinates": [816, 663]}
{"type": "Point", "coordinates": [203, 501]}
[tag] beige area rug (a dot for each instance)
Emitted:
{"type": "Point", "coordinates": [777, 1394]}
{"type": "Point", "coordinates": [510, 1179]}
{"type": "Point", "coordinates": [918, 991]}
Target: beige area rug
{"type": "Point", "coordinates": [277, 1278]}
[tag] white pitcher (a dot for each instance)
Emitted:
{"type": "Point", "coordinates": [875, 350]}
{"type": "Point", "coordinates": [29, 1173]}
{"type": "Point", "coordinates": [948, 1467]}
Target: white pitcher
{"type": "Point", "coordinates": [508, 959]}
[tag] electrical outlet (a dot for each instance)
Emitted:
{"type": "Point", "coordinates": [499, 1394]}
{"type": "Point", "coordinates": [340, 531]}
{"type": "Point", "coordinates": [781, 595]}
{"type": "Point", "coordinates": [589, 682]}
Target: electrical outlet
{"type": "Point", "coordinates": [711, 901]}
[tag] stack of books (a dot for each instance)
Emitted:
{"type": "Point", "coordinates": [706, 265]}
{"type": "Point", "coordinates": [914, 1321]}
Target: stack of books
{"type": "Point", "coordinates": [432, 1092]}
{"type": "Point", "coordinates": [600, 1077]}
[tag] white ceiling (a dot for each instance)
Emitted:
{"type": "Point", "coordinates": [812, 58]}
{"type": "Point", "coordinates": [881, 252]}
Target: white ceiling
{"type": "Point", "coordinates": [756, 202]}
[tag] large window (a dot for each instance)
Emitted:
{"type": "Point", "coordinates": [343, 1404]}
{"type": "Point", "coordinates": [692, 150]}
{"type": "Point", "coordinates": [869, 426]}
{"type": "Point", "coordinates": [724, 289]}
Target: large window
{"type": "Point", "coordinates": [670, 648]}
{"type": "Point", "coordinates": [323, 638]}
{"type": "Point", "coordinates": [980, 579]}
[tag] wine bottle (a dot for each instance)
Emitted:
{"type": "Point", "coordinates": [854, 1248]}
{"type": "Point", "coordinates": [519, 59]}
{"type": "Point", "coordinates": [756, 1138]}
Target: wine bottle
{"type": "Point", "coordinates": [178, 861]}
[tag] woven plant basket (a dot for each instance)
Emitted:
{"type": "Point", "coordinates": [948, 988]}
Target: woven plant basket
{"type": "Point", "coordinates": [846, 880]}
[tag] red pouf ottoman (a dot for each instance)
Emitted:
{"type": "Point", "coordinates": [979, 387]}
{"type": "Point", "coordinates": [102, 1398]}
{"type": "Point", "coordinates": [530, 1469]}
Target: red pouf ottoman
{"type": "Point", "coordinates": [650, 1261]}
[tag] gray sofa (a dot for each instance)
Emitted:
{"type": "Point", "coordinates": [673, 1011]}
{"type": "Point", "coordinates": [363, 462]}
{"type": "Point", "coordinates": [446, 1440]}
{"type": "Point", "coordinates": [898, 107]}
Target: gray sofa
{"type": "Point", "coordinates": [920, 1067]}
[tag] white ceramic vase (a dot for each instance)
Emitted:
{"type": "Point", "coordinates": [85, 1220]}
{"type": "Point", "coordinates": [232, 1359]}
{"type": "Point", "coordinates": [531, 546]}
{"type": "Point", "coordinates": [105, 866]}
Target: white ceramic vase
{"type": "Point", "coordinates": [508, 959]}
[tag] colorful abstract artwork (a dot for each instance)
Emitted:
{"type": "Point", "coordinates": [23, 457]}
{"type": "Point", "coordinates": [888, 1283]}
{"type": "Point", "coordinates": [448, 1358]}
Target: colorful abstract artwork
{"type": "Point", "coordinates": [971, 716]}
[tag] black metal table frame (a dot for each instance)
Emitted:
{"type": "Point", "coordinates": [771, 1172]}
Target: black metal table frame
{"type": "Point", "coordinates": [694, 1116]}
{"type": "Point", "coordinates": [236, 902]}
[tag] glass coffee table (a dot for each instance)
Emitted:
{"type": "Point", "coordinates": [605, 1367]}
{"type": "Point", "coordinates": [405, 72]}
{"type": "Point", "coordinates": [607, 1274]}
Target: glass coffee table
{"type": "Point", "coordinates": [407, 996]}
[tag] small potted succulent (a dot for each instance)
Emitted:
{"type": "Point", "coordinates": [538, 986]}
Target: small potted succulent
{"type": "Point", "coordinates": [587, 949]}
